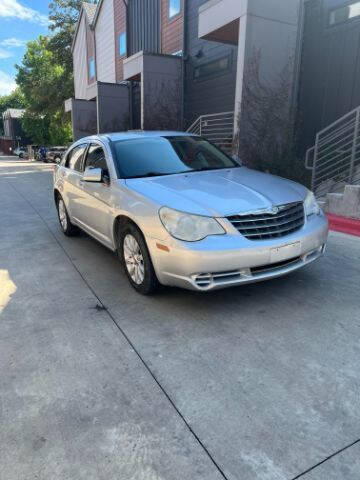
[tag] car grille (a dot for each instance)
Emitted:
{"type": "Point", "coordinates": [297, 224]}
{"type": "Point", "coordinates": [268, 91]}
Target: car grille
{"type": "Point", "coordinates": [265, 225]}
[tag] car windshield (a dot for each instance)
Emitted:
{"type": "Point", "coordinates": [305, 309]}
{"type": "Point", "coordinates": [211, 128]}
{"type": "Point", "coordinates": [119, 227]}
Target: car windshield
{"type": "Point", "coordinates": [153, 156]}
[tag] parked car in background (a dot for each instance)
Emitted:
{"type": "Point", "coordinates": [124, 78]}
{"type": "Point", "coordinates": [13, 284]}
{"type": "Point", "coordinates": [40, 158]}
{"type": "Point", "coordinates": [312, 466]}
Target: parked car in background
{"type": "Point", "coordinates": [54, 154]}
{"type": "Point", "coordinates": [180, 212]}
{"type": "Point", "coordinates": [20, 152]}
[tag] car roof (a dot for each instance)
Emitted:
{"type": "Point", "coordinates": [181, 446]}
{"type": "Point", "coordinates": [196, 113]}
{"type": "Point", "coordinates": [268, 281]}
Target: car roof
{"type": "Point", "coordinates": [133, 134]}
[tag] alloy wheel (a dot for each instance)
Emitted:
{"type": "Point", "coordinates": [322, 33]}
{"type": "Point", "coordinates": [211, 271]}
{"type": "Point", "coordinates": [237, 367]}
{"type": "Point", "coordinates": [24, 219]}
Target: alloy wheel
{"type": "Point", "coordinates": [134, 260]}
{"type": "Point", "coordinates": [62, 214]}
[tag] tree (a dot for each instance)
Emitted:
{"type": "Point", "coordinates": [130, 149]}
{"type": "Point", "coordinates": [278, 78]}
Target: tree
{"type": "Point", "coordinates": [63, 16]}
{"type": "Point", "coordinates": [45, 85]}
{"type": "Point", "coordinates": [36, 127]}
{"type": "Point", "coordinates": [46, 76]}
{"type": "Point", "coordinates": [13, 100]}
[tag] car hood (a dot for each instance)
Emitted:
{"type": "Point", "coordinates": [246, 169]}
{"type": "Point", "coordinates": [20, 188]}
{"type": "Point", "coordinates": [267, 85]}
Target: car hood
{"type": "Point", "coordinates": [219, 193]}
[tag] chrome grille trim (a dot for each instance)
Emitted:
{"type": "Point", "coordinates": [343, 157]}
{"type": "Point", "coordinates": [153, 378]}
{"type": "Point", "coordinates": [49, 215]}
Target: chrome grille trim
{"type": "Point", "coordinates": [263, 225]}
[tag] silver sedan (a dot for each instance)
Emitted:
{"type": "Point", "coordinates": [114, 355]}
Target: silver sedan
{"type": "Point", "coordinates": [180, 212]}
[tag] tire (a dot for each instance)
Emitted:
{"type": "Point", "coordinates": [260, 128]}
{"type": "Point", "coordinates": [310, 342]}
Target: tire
{"type": "Point", "coordinates": [136, 260]}
{"type": "Point", "coordinates": [67, 227]}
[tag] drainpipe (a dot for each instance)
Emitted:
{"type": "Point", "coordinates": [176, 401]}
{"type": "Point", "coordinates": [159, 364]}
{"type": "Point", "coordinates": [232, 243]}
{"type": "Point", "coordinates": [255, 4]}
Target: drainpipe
{"type": "Point", "coordinates": [184, 59]}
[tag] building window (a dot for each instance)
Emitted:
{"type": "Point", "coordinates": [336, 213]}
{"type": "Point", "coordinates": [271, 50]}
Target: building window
{"type": "Point", "coordinates": [342, 14]}
{"type": "Point", "coordinates": [92, 68]}
{"type": "Point", "coordinates": [174, 8]}
{"type": "Point", "coordinates": [122, 44]}
{"type": "Point", "coordinates": [210, 69]}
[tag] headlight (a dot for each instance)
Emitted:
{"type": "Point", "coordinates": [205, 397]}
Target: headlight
{"type": "Point", "coordinates": [190, 228]}
{"type": "Point", "coordinates": [311, 205]}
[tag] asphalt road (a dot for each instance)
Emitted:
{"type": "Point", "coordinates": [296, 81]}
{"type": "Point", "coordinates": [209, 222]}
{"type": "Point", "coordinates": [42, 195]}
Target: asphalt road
{"type": "Point", "coordinates": [96, 382]}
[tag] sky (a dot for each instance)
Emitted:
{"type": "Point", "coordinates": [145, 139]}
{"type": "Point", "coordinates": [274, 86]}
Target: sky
{"type": "Point", "coordinates": [20, 21]}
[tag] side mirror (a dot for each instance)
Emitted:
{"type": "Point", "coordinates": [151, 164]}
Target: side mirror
{"type": "Point", "coordinates": [94, 175]}
{"type": "Point", "coordinates": [237, 159]}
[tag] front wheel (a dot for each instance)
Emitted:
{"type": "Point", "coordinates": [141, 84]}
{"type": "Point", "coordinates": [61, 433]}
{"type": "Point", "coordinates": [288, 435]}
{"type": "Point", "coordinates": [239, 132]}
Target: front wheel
{"type": "Point", "coordinates": [67, 227]}
{"type": "Point", "coordinates": [136, 260]}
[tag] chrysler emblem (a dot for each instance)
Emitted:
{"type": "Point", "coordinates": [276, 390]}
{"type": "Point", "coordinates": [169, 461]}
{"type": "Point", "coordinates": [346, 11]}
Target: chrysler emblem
{"type": "Point", "coordinates": [274, 210]}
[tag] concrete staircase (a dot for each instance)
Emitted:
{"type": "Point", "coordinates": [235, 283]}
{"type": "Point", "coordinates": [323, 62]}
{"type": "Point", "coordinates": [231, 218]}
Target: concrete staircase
{"type": "Point", "coordinates": [346, 204]}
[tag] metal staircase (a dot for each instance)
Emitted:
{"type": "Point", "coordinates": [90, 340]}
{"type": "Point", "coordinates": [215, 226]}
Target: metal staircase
{"type": "Point", "coordinates": [218, 128]}
{"type": "Point", "coordinates": [335, 157]}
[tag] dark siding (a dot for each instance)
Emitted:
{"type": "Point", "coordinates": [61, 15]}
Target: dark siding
{"type": "Point", "coordinates": [211, 95]}
{"type": "Point", "coordinates": [144, 26]}
{"type": "Point", "coordinates": [330, 69]}
{"type": "Point", "coordinates": [136, 106]}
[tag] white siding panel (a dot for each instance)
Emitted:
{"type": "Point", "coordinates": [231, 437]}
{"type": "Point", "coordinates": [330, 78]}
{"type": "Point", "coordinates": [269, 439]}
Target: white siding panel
{"type": "Point", "coordinates": [80, 61]}
{"type": "Point", "coordinates": [105, 43]}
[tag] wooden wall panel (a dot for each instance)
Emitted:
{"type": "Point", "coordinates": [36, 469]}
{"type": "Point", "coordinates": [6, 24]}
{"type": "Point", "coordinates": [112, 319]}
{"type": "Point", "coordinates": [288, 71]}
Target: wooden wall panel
{"type": "Point", "coordinates": [120, 27]}
{"type": "Point", "coordinates": [171, 29]}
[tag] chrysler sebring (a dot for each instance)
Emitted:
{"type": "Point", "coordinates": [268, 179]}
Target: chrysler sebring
{"type": "Point", "coordinates": [178, 211]}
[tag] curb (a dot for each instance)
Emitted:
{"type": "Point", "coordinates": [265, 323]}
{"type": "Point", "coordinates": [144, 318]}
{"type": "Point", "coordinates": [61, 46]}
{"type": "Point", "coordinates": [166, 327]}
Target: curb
{"type": "Point", "coordinates": [344, 224]}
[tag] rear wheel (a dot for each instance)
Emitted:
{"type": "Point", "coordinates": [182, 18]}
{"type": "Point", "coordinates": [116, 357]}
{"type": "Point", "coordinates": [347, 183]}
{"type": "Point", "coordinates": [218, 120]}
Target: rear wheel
{"type": "Point", "coordinates": [136, 260]}
{"type": "Point", "coordinates": [67, 227]}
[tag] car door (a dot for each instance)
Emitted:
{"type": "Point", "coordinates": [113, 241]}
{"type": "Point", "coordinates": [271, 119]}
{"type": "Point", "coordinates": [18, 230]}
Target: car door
{"type": "Point", "coordinates": [72, 176]}
{"type": "Point", "coordinates": [96, 211]}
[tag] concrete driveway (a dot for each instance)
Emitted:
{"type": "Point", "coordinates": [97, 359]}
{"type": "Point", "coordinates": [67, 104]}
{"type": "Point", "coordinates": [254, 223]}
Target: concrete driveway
{"type": "Point", "coordinates": [97, 382]}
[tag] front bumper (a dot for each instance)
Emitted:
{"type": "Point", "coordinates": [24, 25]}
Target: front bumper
{"type": "Point", "coordinates": [224, 261]}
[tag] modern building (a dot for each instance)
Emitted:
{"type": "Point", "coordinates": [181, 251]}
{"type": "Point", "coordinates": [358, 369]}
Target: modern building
{"type": "Point", "coordinates": [211, 65]}
{"type": "Point", "coordinates": [14, 135]}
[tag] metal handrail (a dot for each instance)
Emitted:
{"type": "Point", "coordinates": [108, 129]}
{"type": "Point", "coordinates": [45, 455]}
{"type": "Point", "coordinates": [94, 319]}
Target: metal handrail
{"type": "Point", "coordinates": [307, 163]}
{"type": "Point", "coordinates": [217, 127]}
{"type": "Point", "coordinates": [336, 154]}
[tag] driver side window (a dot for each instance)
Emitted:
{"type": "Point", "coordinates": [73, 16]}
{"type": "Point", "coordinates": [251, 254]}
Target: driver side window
{"type": "Point", "coordinates": [95, 158]}
{"type": "Point", "coordinates": [74, 158]}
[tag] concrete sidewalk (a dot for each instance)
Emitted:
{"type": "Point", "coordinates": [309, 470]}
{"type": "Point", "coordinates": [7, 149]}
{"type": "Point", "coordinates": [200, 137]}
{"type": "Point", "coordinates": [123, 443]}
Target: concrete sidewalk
{"type": "Point", "coordinates": [258, 382]}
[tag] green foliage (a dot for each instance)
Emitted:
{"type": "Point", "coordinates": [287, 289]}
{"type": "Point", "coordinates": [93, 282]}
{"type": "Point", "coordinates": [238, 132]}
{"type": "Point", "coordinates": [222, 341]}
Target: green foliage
{"type": "Point", "coordinates": [44, 82]}
{"type": "Point", "coordinates": [36, 127]}
{"type": "Point", "coordinates": [47, 129]}
{"type": "Point", "coordinates": [60, 130]}
{"type": "Point", "coordinates": [63, 14]}
{"type": "Point", "coordinates": [13, 100]}
{"type": "Point", "coordinates": [45, 77]}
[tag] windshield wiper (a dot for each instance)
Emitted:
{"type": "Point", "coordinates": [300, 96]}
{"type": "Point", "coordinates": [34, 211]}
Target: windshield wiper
{"type": "Point", "coordinates": [150, 174]}
{"type": "Point", "coordinates": [214, 168]}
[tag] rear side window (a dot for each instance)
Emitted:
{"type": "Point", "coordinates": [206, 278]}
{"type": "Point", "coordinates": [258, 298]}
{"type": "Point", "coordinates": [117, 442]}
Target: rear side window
{"type": "Point", "coordinates": [95, 158]}
{"type": "Point", "coordinates": [74, 158]}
